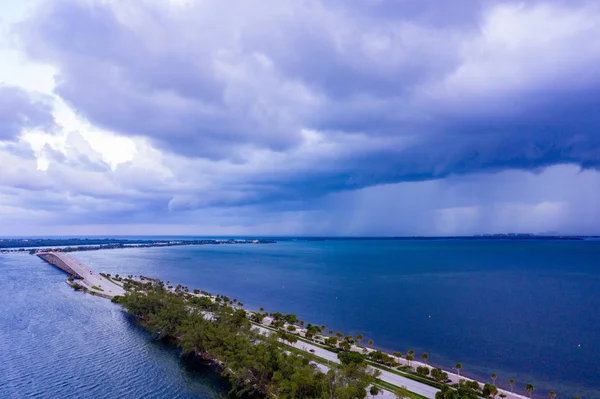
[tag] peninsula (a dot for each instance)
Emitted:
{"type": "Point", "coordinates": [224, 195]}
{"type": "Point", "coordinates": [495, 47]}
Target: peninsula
{"type": "Point", "coordinates": [272, 354]}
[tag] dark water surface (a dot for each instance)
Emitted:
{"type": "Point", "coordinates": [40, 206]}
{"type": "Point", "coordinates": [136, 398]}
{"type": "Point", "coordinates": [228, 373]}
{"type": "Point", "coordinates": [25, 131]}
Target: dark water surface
{"type": "Point", "coordinates": [57, 343]}
{"type": "Point", "coordinates": [527, 310]}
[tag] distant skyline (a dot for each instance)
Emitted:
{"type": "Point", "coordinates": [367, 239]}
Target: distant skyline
{"type": "Point", "coordinates": [323, 118]}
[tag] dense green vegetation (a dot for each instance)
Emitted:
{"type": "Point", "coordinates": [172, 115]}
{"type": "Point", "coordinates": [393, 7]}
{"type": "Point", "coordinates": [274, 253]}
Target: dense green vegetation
{"type": "Point", "coordinates": [214, 327]}
{"type": "Point", "coordinates": [255, 363]}
{"type": "Point", "coordinates": [77, 287]}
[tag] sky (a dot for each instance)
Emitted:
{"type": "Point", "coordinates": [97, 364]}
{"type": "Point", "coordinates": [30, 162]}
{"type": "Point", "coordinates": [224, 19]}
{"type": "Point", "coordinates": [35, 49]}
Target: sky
{"type": "Point", "coordinates": [307, 117]}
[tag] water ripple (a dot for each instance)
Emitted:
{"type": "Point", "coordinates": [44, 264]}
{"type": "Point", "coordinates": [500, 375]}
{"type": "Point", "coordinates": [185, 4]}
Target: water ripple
{"type": "Point", "coordinates": [57, 343]}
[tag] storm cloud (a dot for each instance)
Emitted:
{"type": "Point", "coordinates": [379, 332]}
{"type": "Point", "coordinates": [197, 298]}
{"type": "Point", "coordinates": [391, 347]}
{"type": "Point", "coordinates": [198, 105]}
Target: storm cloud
{"type": "Point", "coordinates": [283, 105]}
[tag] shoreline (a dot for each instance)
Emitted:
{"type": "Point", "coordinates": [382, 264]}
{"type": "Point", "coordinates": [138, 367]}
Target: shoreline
{"type": "Point", "coordinates": [42, 246]}
{"type": "Point", "coordinates": [455, 378]}
{"type": "Point", "coordinates": [400, 361]}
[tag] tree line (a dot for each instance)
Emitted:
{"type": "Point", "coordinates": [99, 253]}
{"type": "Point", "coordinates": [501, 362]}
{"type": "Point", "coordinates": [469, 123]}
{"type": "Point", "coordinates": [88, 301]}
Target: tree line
{"type": "Point", "coordinates": [255, 364]}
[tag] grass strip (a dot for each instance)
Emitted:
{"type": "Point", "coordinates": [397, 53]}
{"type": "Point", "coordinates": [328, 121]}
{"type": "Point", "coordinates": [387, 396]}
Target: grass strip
{"type": "Point", "coordinates": [392, 388]}
{"type": "Point", "coordinates": [111, 280]}
{"type": "Point", "coordinates": [410, 376]}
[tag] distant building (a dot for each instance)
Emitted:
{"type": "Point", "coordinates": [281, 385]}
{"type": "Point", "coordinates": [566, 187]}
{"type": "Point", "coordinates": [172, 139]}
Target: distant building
{"type": "Point", "coordinates": [267, 321]}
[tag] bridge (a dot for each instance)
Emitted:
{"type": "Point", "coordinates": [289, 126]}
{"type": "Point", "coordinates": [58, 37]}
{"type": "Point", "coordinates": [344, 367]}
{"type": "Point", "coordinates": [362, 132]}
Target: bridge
{"type": "Point", "coordinates": [86, 277]}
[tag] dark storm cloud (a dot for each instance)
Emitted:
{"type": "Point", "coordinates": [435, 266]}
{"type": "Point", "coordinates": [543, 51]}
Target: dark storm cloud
{"type": "Point", "coordinates": [405, 90]}
{"type": "Point", "coordinates": [20, 110]}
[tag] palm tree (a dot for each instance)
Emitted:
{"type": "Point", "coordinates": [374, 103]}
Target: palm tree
{"type": "Point", "coordinates": [494, 376]}
{"type": "Point", "coordinates": [339, 335]}
{"type": "Point", "coordinates": [371, 342]}
{"type": "Point", "coordinates": [262, 309]}
{"type": "Point", "coordinates": [458, 367]}
{"type": "Point", "coordinates": [552, 394]}
{"type": "Point", "coordinates": [323, 327]}
{"type": "Point", "coordinates": [411, 352]}
{"type": "Point", "coordinates": [359, 338]}
{"type": "Point", "coordinates": [493, 391]}
{"type": "Point", "coordinates": [409, 357]}
{"type": "Point", "coordinates": [425, 356]}
{"type": "Point", "coordinates": [398, 354]}
{"type": "Point", "coordinates": [330, 332]}
{"type": "Point", "coordinates": [511, 382]}
{"type": "Point", "coordinates": [529, 388]}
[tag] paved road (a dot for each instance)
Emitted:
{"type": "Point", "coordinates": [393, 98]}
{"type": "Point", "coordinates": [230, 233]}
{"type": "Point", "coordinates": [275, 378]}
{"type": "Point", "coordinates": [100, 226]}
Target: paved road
{"type": "Point", "coordinates": [413, 386]}
{"type": "Point", "coordinates": [90, 277]}
{"type": "Point", "coordinates": [456, 378]}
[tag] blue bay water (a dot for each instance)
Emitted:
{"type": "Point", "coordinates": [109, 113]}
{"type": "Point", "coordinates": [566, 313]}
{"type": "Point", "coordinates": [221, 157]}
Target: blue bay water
{"type": "Point", "coordinates": [526, 310]}
{"type": "Point", "coordinates": [57, 343]}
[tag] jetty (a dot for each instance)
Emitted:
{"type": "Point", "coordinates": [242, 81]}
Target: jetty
{"type": "Point", "coordinates": [83, 275]}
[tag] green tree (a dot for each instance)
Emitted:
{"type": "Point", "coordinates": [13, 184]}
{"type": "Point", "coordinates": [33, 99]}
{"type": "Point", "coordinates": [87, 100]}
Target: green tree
{"type": "Point", "coordinates": [411, 352]}
{"type": "Point", "coordinates": [339, 335]}
{"type": "Point", "coordinates": [493, 391]}
{"type": "Point", "coordinates": [371, 343]}
{"type": "Point", "coordinates": [438, 374]}
{"type": "Point", "coordinates": [423, 370]}
{"type": "Point", "coordinates": [458, 367]}
{"type": "Point", "coordinates": [425, 357]}
{"type": "Point", "coordinates": [290, 318]}
{"type": "Point", "coordinates": [494, 376]}
{"type": "Point", "coordinates": [374, 390]}
{"type": "Point", "coordinates": [489, 390]}
{"type": "Point", "coordinates": [349, 381]}
{"type": "Point", "coordinates": [511, 382]}
{"type": "Point", "coordinates": [351, 358]}
{"type": "Point", "coordinates": [359, 338]}
{"type": "Point", "coordinates": [530, 388]}
{"type": "Point", "coordinates": [552, 394]}
{"type": "Point", "coordinates": [409, 358]}
{"type": "Point", "coordinates": [464, 391]}
{"type": "Point", "coordinates": [397, 354]}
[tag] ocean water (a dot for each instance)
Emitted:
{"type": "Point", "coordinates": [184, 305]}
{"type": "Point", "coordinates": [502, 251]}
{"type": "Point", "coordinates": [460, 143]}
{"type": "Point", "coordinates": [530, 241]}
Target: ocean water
{"type": "Point", "coordinates": [529, 310]}
{"type": "Point", "coordinates": [58, 343]}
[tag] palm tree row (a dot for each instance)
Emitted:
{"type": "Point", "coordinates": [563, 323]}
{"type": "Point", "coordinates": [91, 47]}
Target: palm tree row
{"type": "Point", "coordinates": [410, 355]}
